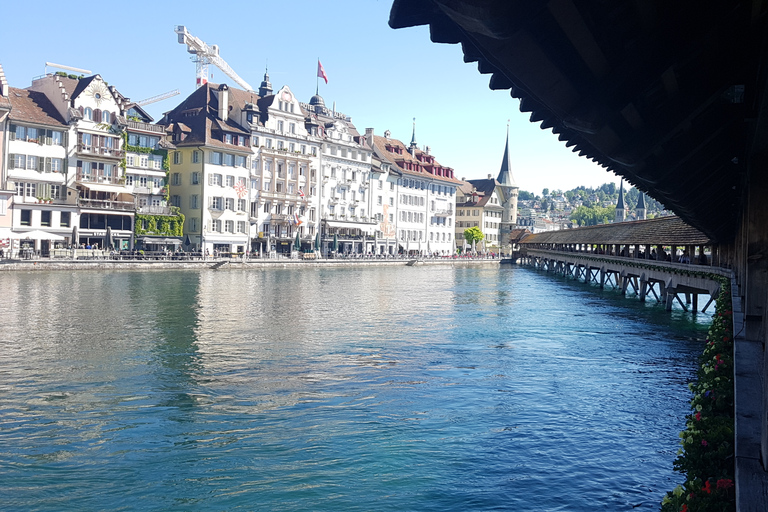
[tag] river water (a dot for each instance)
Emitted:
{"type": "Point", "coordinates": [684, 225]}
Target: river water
{"type": "Point", "coordinates": [392, 389]}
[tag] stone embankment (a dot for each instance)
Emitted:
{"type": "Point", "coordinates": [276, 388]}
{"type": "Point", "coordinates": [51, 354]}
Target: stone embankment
{"type": "Point", "coordinates": [224, 264]}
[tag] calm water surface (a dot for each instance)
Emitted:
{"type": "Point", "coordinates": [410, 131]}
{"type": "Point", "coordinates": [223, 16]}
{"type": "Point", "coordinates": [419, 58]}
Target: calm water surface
{"type": "Point", "coordinates": [424, 389]}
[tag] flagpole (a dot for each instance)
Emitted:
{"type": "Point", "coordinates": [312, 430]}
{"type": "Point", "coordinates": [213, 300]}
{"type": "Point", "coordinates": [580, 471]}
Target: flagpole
{"type": "Point", "coordinates": [317, 80]}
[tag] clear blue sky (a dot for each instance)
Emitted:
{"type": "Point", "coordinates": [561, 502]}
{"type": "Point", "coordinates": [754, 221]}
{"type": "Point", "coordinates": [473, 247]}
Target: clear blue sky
{"type": "Point", "coordinates": [382, 78]}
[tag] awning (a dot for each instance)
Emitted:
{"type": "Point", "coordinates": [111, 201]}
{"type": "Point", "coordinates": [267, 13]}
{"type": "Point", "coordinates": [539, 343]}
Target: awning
{"type": "Point", "coordinates": [98, 187]}
{"type": "Point", "coordinates": [37, 234]}
{"type": "Point", "coordinates": [362, 226]}
{"type": "Point", "coordinates": [156, 240]}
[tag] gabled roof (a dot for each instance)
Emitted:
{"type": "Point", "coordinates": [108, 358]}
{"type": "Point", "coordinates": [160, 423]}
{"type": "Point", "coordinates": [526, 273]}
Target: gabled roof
{"type": "Point", "coordinates": [398, 159]}
{"type": "Point", "coordinates": [484, 191]}
{"type": "Point", "coordinates": [33, 107]}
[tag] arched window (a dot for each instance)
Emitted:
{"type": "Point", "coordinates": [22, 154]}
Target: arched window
{"type": "Point", "coordinates": [105, 116]}
{"type": "Point", "coordinates": [88, 114]}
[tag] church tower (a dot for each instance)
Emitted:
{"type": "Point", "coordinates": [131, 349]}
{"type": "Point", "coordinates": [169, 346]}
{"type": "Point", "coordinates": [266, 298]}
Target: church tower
{"type": "Point", "coordinates": [509, 192]}
{"type": "Point", "coordinates": [640, 210]}
{"type": "Point", "coordinates": [265, 89]}
{"type": "Point", "coordinates": [621, 209]}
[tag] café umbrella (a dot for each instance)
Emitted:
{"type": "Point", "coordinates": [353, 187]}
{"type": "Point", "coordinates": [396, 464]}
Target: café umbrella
{"type": "Point", "coordinates": [335, 242]}
{"type": "Point", "coordinates": [75, 236]}
{"type": "Point", "coordinates": [317, 241]}
{"type": "Point", "coordinates": [108, 238]}
{"type": "Point", "coordinates": [297, 242]}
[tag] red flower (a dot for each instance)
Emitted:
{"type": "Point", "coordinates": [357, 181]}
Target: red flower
{"type": "Point", "coordinates": [685, 508]}
{"type": "Point", "coordinates": [707, 488]}
{"type": "Point", "coordinates": [724, 483]}
{"type": "Point", "coordinates": [698, 416]}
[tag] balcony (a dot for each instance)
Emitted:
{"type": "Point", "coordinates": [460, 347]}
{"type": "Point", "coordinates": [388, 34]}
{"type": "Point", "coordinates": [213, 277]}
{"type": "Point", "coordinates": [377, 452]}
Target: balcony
{"type": "Point", "coordinates": [154, 210]}
{"type": "Point", "coordinates": [442, 213]}
{"type": "Point", "coordinates": [84, 149]}
{"type": "Point", "coordinates": [94, 178]}
{"type": "Point", "coordinates": [280, 217]}
{"type": "Point", "coordinates": [138, 125]}
{"type": "Point", "coordinates": [106, 205]}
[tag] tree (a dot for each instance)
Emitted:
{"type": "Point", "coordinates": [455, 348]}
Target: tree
{"type": "Point", "coordinates": [473, 234]}
{"type": "Point", "coordinates": [525, 196]}
{"type": "Point", "coordinates": [545, 192]}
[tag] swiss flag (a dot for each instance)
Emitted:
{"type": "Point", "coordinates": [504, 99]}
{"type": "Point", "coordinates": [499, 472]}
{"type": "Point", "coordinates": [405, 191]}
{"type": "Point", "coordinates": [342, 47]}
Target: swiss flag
{"type": "Point", "coordinates": [321, 71]}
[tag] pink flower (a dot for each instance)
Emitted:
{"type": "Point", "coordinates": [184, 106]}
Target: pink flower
{"type": "Point", "coordinates": [704, 442]}
{"type": "Point", "coordinates": [698, 416]}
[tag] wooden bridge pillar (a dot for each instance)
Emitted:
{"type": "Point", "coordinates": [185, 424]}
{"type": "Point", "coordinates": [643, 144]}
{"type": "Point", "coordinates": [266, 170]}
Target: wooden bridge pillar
{"type": "Point", "coordinates": [602, 277]}
{"type": "Point", "coordinates": [643, 287]}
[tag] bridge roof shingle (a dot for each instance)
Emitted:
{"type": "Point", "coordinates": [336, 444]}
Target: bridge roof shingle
{"type": "Point", "coordinates": [659, 231]}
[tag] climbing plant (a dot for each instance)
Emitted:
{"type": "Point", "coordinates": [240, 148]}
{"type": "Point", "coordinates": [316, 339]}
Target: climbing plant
{"type": "Point", "coordinates": [161, 225]}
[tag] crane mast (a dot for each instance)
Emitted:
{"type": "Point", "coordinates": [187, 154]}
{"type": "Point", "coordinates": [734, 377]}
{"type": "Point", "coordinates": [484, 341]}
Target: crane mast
{"type": "Point", "coordinates": [203, 55]}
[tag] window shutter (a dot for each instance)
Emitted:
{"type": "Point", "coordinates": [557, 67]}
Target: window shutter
{"type": "Point", "coordinates": [113, 118]}
{"type": "Point", "coordinates": [97, 115]}
{"type": "Point", "coordinates": [12, 134]}
{"type": "Point", "coordinates": [47, 164]}
{"type": "Point", "coordinates": [11, 161]}
{"type": "Point", "coordinates": [79, 139]}
{"type": "Point", "coordinates": [40, 164]}
{"type": "Point", "coordinates": [82, 112]}
{"type": "Point", "coordinates": [79, 166]}
{"type": "Point", "coordinates": [65, 138]}
{"type": "Point", "coordinates": [65, 165]}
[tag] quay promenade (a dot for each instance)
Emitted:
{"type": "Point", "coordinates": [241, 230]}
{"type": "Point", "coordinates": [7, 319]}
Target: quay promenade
{"type": "Point", "coordinates": [189, 261]}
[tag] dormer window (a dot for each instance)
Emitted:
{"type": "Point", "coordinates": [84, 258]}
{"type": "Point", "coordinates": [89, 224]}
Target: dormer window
{"type": "Point", "coordinates": [228, 138]}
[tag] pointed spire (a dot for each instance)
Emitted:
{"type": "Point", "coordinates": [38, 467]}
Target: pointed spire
{"type": "Point", "coordinates": [413, 137]}
{"type": "Point", "coordinates": [641, 201]}
{"type": "Point", "coordinates": [265, 89]}
{"type": "Point", "coordinates": [620, 203]}
{"type": "Point", "coordinates": [505, 173]}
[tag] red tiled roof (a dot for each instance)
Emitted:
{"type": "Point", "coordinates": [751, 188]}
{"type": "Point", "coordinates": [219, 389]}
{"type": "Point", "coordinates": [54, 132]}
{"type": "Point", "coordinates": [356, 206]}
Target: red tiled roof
{"type": "Point", "coordinates": [33, 107]}
{"type": "Point", "coordinates": [399, 160]}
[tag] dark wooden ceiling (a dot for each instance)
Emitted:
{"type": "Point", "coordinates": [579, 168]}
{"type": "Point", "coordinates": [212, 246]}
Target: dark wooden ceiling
{"type": "Point", "coordinates": [667, 94]}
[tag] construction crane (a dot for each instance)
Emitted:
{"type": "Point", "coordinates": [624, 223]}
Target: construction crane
{"type": "Point", "coordinates": [157, 98]}
{"type": "Point", "coordinates": [204, 55]}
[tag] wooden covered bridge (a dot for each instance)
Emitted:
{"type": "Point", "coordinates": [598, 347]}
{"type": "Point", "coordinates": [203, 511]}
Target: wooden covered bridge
{"type": "Point", "coordinates": [664, 258]}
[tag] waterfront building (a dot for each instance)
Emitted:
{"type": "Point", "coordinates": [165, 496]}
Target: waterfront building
{"type": "Point", "coordinates": [34, 173]}
{"type": "Point", "coordinates": [383, 187]}
{"type": "Point", "coordinates": [479, 203]}
{"type": "Point", "coordinates": [6, 195]}
{"type": "Point", "coordinates": [284, 171]}
{"type": "Point", "coordinates": [95, 176]}
{"type": "Point", "coordinates": [345, 208]}
{"type": "Point", "coordinates": [210, 170]}
{"type": "Point", "coordinates": [426, 192]}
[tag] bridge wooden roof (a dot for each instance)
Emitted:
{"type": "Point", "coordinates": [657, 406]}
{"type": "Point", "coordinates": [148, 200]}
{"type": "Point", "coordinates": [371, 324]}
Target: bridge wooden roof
{"type": "Point", "coordinates": [660, 231]}
{"type": "Point", "coordinates": [669, 95]}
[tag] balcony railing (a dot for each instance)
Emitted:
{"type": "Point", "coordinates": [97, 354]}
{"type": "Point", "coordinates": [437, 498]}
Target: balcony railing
{"type": "Point", "coordinates": [154, 210]}
{"type": "Point", "coordinates": [138, 125]}
{"type": "Point", "coordinates": [106, 205]}
{"type": "Point", "coordinates": [106, 152]}
{"type": "Point", "coordinates": [443, 213]}
{"type": "Point", "coordinates": [95, 178]}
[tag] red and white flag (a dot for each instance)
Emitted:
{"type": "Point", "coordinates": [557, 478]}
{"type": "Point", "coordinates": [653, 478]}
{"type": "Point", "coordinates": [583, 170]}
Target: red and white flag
{"type": "Point", "coordinates": [321, 72]}
{"type": "Point", "coordinates": [301, 193]}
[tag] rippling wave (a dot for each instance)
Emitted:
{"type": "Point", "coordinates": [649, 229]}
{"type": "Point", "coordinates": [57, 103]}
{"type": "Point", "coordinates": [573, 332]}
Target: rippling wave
{"type": "Point", "coordinates": [337, 389]}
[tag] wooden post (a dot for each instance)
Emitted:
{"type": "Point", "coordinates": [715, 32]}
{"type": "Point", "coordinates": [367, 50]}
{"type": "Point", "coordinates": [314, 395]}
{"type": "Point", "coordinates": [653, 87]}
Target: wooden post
{"type": "Point", "coordinates": [643, 287]}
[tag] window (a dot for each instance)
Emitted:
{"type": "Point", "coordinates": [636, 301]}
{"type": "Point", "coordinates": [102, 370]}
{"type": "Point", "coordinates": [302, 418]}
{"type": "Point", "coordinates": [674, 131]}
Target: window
{"type": "Point", "coordinates": [240, 161]}
{"type": "Point", "coordinates": [267, 185]}
{"type": "Point", "coordinates": [229, 160]}
{"type": "Point", "coordinates": [215, 179]}
{"type": "Point", "coordinates": [241, 204]}
{"type": "Point", "coordinates": [176, 157]}
{"type": "Point", "coordinates": [105, 117]}
{"type": "Point", "coordinates": [279, 144]}
{"type": "Point", "coordinates": [215, 158]}
{"type": "Point", "coordinates": [216, 226]}
{"type": "Point", "coordinates": [241, 226]}
{"type": "Point", "coordinates": [267, 207]}
{"type": "Point", "coordinates": [280, 129]}
{"type": "Point", "coordinates": [193, 225]}
{"type": "Point", "coordinates": [26, 217]}
{"type": "Point", "coordinates": [194, 202]}
{"type": "Point", "coordinates": [292, 127]}
{"type": "Point", "coordinates": [241, 140]}
{"type": "Point", "coordinates": [88, 114]}
{"type": "Point", "coordinates": [56, 192]}
{"type": "Point", "coordinates": [176, 200]}
{"type": "Point", "coordinates": [255, 141]}
{"type": "Point", "coordinates": [228, 138]}
{"type": "Point", "coordinates": [196, 157]}
{"type": "Point", "coordinates": [230, 203]}
{"type": "Point", "coordinates": [269, 143]}
{"type": "Point", "coordinates": [144, 161]}
{"type": "Point", "coordinates": [194, 179]}
{"type": "Point", "coordinates": [65, 219]}
{"type": "Point", "coordinates": [216, 203]}
{"type": "Point", "coordinates": [158, 182]}
{"type": "Point", "coordinates": [255, 184]}
{"type": "Point", "coordinates": [229, 226]}
{"type": "Point", "coordinates": [291, 147]}
{"type": "Point", "coordinates": [230, 181]}
{"type": "Point", "coordinates": [176, 178]}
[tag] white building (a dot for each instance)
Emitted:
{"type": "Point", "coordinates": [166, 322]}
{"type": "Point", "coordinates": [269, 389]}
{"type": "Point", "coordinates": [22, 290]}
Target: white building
{"type": "Point", "coordinates": [426, 194]}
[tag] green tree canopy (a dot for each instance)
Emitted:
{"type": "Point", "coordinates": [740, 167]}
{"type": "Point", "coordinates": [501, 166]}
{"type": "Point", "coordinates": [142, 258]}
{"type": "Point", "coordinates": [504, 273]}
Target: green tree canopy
{"type": "Point", "coordinates": [545, 192]}
{"type": "Point", "coordinates": [591, 216]}
{"type": "Point", "coordinates": [473, 234]}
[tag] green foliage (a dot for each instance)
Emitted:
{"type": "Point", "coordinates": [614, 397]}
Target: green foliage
{"type": "Point", "coordinates": [707, 453]}
{"type": "Point", "coordinates": [545, 192]}
{"type": "Point", "coordinates": [473, 234]}
{"type": "Point", "coordinates": [525, 196]}
{"type": "Point", "coordinates": [592, 215]}
{"type": "Point", "coordinates": [162, 225]}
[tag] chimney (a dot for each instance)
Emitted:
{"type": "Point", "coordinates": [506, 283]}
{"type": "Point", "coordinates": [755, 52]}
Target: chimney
{"type": "Point", "coordinates": [490, 176]}
{"type": "Point", "coordinates": [369, 136]}
{"type": "Point", "coordinates": [223, 102]}
{"type": "Point", "coordinates": [427, 150]}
